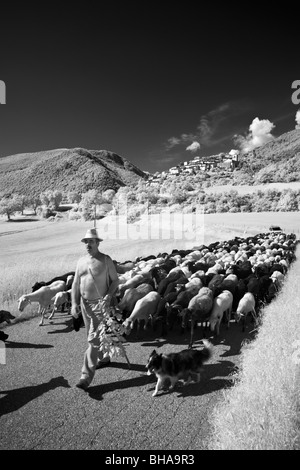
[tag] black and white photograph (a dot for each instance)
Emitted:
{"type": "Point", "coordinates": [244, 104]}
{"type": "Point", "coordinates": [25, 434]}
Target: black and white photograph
{"type": "Point", "coordinates": [149, 229]}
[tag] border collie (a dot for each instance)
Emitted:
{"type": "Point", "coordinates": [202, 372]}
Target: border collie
{"type": "Point", "coordinates": [185, 365]}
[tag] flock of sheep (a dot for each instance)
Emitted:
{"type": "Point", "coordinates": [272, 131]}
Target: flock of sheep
{"type": "Point", "coordinates": [204, 285]}
{"type": "Point", "coordinates": [207, 284]}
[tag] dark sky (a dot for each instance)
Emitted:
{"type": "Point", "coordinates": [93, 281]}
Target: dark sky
{"type": "Point", "coordinates": [146, 81]}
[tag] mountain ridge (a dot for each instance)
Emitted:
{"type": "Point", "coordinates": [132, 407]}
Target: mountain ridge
{"type": "Point", "coordinates": [76, 169]}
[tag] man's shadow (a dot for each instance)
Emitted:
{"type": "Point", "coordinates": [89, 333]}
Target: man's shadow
{"type": "Point", "coordinates": [18, 397]}
{"type": "Point", "coordinates": [15, 344]}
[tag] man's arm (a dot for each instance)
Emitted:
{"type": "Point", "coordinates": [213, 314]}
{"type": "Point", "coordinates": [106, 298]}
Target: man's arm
{"type": "Point", "coordinates": [75, 294]}
{"type": "Point", "coordinates": [113, 275]}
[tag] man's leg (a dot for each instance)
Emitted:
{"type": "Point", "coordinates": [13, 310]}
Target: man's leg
{"type": "Point", "coordinates": [91, 354]}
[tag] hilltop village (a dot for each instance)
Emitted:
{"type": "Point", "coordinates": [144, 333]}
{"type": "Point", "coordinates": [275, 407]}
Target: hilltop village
{"type": "Point", "coordinates": [215, 163]}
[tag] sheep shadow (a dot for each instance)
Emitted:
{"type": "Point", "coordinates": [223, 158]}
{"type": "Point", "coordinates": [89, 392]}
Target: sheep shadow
{"type": "Point", "coordinates": [235, 338]}
{"type": "Point", "coordinates": [154, 338]}
{"type": "Point", "coordinates": [68, 327]}
{"type": "Point", "coordinates": [19, 397]}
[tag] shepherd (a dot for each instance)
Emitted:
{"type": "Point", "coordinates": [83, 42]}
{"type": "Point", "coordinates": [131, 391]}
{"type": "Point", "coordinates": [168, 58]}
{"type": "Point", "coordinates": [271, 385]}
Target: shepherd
{"type": "Point", "coordinates": [95, 283]}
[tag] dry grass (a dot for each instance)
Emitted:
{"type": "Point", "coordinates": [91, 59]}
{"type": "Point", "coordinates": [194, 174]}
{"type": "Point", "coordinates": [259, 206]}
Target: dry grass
{"type": "Point", "coordinates": [261, 411]}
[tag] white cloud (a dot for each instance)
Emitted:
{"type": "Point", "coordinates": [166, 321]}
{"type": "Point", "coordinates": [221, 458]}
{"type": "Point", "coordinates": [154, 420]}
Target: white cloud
{"type": "Point", "coordinates": [194, 147]}
{"type": "Point", "coordinates": [259, 134]}
{"type": "Point", "coordinates": [298, 119]}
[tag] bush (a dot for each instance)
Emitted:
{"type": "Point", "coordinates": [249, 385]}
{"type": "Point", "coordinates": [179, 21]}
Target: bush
{"type": "Point", "coordinates": [74, 215]}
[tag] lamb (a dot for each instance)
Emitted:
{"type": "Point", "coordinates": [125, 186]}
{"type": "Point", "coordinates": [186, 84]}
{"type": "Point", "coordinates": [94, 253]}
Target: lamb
{"type": "Point", "coordinates": [143, 310]}
{"type": "Point", "coordinates": [246, 305]}
{"type": "Point", "coordinates": [44, 296]}
{"type": "Point", "coordinates": [60, 299]}
{"type": "Point", "coordinates": [222, 304]}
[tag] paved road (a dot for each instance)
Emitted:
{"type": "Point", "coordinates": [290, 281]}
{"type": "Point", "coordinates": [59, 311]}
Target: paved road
{"type": "Point", "coordinates": [40, 407]}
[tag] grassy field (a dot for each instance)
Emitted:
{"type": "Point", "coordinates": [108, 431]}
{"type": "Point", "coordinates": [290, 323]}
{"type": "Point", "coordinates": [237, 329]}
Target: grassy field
{"type": "Point", "coordinates": [262, 410]}
{"type": "Point", "coordinates": [246, 189]}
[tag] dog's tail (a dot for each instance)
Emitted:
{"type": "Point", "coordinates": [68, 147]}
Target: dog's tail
{"type": "Point", "coordinates": [207, 350]}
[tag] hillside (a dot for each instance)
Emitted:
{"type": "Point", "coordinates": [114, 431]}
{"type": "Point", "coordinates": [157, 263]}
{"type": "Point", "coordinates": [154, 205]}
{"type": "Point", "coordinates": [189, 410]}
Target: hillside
{"type": "Point", "coordinates": [276, 161]}
{"type": "Point", "coordinates": [65, 170]}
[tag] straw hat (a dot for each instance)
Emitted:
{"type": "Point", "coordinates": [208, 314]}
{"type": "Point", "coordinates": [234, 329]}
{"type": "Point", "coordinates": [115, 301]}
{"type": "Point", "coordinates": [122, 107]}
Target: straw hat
{"type": "Point", "coordinates": [92, 233]}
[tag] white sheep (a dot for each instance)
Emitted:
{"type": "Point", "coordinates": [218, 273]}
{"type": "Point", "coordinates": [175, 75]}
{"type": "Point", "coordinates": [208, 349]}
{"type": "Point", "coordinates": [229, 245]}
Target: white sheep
{"type": "Point", "coordinates": [246, 305]}
{"type": "Point", "coordinates": [44, 296]}
{"type": "Point", "coordinates": [278, 278]}
{"type": "Point", "coordinates": [143, 309]}
{"type": "Point", "coordinates": [60, 299]}
{"type": "Point", "coordinates": [222, 303]}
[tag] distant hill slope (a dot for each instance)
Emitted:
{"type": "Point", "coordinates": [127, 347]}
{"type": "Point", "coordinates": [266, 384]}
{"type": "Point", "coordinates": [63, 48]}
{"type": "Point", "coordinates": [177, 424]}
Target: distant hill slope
{"type": "Point", "coordinates": [66, 170]}
{"type": "Point", "coordinates": [276, 161]}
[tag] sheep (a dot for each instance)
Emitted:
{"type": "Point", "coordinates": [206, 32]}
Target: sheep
{"type": "Point", "coordinates": [278, 278]}
{"type": "Point", "coordinates": [63, 277]}
{"type": "Point", "coordinates": [44, 296]}
{"type": "Point", "coordinates": [222, 303]}
{"type": "Point", "coordinates": [230, 283]}
{"type": "Point", "coordinates": [198, 309]}
{"type": "Point", "coordinates": [60, 299]}
{"type": "Point", "coordinates": [132, 295]}
{"type": "Point", "coordinates": [162, 311]}
{"type": "Point", "coordinates": [132, 282]}
{"type": "Point", "coordinates": [171, 277]}
{"type": "Point", "coordinates": [246, 305]}
{"type": "Point", "coordinates": [143, 310]}
{"type": "Point", "coordinates": [181, 301]}
{"type": "Point", "coordinates": [214, 284]}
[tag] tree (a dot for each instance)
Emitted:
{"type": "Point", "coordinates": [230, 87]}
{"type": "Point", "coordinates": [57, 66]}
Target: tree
{"type": "Point", "coordinates": [88, 203]}
{"type": "Point", "coordinates": [73, 197]}
{"type": "Point", "coordinates": [8, 206]}
{"type": "Point", "coordinates": [51, 199]}
{"type": "Point", "coordinates": [108, 195]}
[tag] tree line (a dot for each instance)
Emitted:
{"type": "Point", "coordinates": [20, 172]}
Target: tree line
{"type": "Point", "coordinates": [135, 200]}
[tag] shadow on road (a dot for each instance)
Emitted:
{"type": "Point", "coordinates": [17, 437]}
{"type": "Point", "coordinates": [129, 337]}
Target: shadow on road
{"type": "Point", "coordinates": [68, 327]}
{"type": "Point", "coordinates": [16, 398]}
{"type": "Point", "coordinates": [14, 344]}
{"type": "Point", "coordinates": [121, 365]}
{"type": "Point", "coordinates": [98, 391]}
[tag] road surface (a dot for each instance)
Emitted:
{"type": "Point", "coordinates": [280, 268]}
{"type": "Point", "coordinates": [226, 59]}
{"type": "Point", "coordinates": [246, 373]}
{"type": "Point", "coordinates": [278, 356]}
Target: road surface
{"type": "Point", "coordinates": [40, 407]}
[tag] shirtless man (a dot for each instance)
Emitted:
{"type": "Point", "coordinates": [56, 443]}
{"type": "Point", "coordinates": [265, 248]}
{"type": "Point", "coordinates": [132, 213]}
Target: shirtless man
{"type": "Point", "coordinates": [95, 282]}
